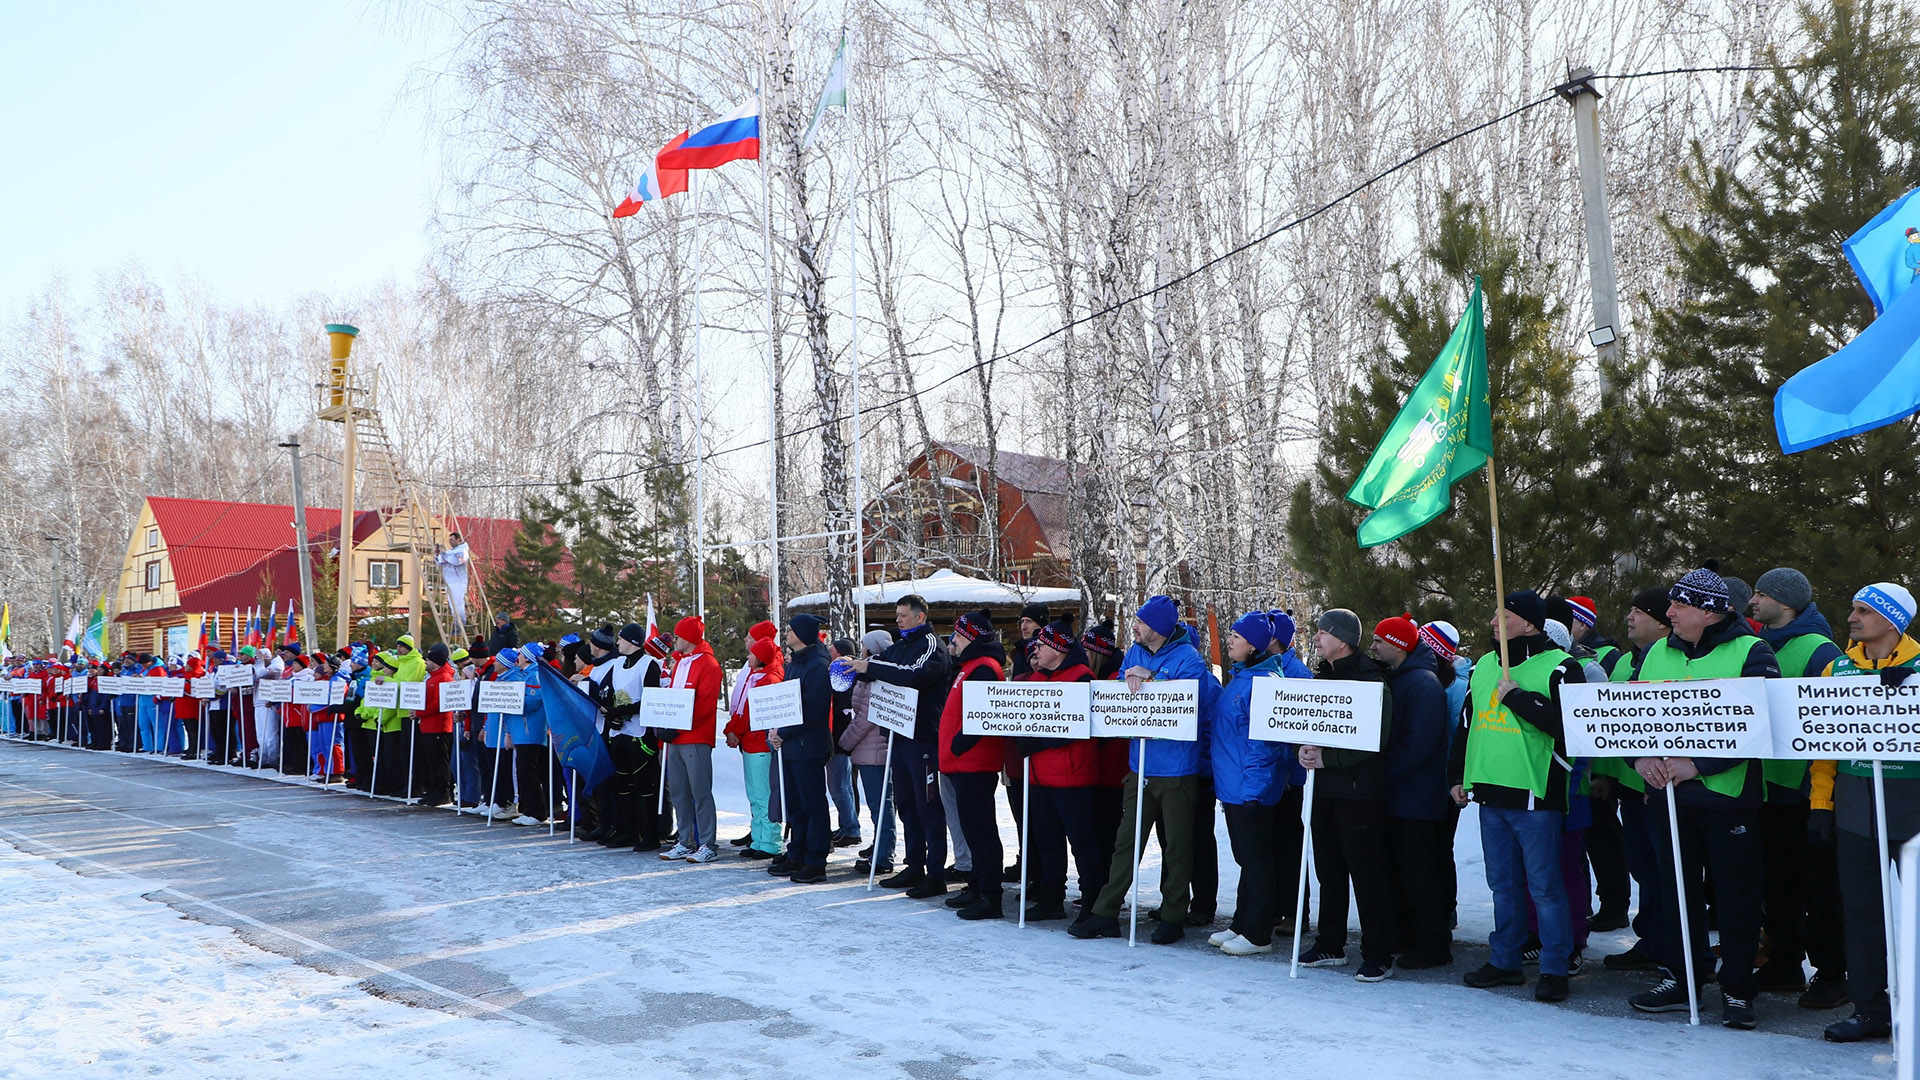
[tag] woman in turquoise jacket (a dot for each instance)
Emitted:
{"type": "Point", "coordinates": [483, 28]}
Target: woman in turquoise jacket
{"type": "Point", "coordinates": [533, 770]}
{"type": "Point", "coordinates": [1249, 776]}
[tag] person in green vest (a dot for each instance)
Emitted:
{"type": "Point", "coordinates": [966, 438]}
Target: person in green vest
{"type": "Point", "coordinates": [386, 751]}
{"type": "Point", "coordinates": [1627, 850]}
{"type": "Point", "coordinates": [1510, 756]}
{"type": "Point", "coordinates": [1718, 804]}
{"type": "Point", "coordinates": [1843, 813]}
{"type": "Point", "coordinates": [1585, 627]}
{"type": "Point", "coordinates": [1800, 907]}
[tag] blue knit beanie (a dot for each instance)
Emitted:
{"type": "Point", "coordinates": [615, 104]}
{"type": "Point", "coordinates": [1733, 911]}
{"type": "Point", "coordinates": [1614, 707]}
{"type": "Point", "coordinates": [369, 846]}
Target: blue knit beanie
{"type": "Point", "coordinates": [1257, 628]}
{"type": "Point", "coordinates": [1160, 614]}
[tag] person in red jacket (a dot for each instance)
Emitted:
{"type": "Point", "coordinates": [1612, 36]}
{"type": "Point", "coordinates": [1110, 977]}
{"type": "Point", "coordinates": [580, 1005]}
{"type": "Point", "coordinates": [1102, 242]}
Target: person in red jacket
{"type": "Point", "coordinates": [690, 753]}
{"type": "Point", "coordinates": [756, 766]}
{"type": "Point", "coordinates": [433, 752]}
{"type": "Point", "coordinates": [186, 707]}
{"type": "Point", "coordinates": [1063, 775]}
{"type": "Point", "coordinates": [973, 764]}
{"type": "Point", "coordinates": [1103, 656]}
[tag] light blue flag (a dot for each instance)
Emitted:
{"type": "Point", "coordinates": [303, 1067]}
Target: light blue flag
{"type": "Point", "coordinates": [1874, 380]}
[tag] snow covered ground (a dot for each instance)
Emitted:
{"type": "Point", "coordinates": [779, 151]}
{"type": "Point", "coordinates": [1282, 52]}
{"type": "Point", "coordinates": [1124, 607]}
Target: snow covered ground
{"type": "Point", "coordinates": [172, 921]}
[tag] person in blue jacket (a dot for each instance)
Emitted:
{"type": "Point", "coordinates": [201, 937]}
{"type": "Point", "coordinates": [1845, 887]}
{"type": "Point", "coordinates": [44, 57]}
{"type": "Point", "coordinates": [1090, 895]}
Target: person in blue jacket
{"type": "Point", "coordinates": [1249, 776]}
{"type": "Point", "coordinates": [1162, 651]}
{"type": "Point", "coordinates": [1444, 639]}
{"type": "Point", "coordinates": [1417, 802]}
{"type": "Point", "coordinates": [1291, 838]}
{"type": "Point", "coordinates": [533, 770]}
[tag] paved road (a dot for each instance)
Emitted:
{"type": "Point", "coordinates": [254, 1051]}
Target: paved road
{"type": "Point", "coordinates": [446, 913]}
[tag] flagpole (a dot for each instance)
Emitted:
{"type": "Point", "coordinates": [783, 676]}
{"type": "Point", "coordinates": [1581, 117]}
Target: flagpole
{"type": "Point", "coordinates": [699, 407]}
{"type": "Point", "coordinates": [773, 380]}
{"type": "Point", "coordinates": [1499, 581]}
{"type": "Point", "coordinates": [853, 307]}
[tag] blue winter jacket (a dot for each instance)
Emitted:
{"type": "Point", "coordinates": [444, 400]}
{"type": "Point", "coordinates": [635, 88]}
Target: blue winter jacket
{"type": "Point", "coordinates": [530, 727]}
{"type": "Point", "coordinates": [1457, 696]}
{"type": "Point", "coordinates": [1417, 742]}
{"type": "Point", "coordinates": [1176, 659]}
{"type": "Point", "coordinates": [1245, 769]}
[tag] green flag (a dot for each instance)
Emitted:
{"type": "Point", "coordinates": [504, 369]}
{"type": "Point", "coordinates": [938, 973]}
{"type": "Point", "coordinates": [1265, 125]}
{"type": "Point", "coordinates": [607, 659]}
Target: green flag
{"type": "Point", "coordinates": [834, 93]}
{"type": "Point", "coordinates": [1443, 432]}
{"type": "Point", "coordinates": [94, 641]}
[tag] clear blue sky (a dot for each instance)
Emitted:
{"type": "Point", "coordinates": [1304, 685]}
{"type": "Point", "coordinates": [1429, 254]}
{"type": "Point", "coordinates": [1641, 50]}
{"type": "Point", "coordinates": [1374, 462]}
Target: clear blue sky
{"type": "Point", "coordinates": [264, 147]}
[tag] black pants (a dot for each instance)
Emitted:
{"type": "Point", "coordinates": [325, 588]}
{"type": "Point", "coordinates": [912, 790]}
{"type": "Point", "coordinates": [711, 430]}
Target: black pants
{"type": "Point", "coordinates": [1254, 832]}
{"type": "Point", "coordinates": [617, 799]}
{"type": "Point", "coordinates": [980, 825]}
{"type": "Point", "coordinates": [533, 778]}
{"type": "Point", "coordinates": [432, 765]}
{"type": "Point", "coordinates": [126, 733]}
{"type": "Point", "coordinates": [653, 816]}
{"type": "Point", "coordinates": [1642, 833]}
{"type": "Point", "coordinates": [293, 751]}
{"type": "Point", "coordinates": [1106, 824]}
{"type": "Point", "coordinates": [1203, 890]}
{"type": "Point", "coordinates": [99, 730]}
{"type": "Point", "coordinates": [1417, 853]}
{"type": "Point", "coordinates": [390, 777]}
{"type": "Point", "coordinates": [1607, 854]}
{"type": "Point", "coordinates": [1858, 859]}
{"type": "Point", "coordinates": [1726, 844]}
{"type": "Point", "coordinates": [1801, 903]}
{"type": "Point", "coordinates": [923, 820]}
{"type": "Point", "coordinates": [1014, 781]}
{"type": "Point", "coordinates": [360, 746]}
{"type": "Point", "coordinates": [1059, 819]}
{"type": "Point", "coordinates": [1350, 843]}
{"type": "Point", "coordinates": [807, 810]}
{"type": "Point", "coordinates": [1289, 847]}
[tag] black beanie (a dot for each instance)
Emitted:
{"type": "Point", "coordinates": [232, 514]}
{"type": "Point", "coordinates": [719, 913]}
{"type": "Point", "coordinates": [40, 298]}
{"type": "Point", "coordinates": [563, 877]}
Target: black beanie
{"type": "Point", "coordinates": [634, 633]}
{"type": "Point", "coordinates": [1036, 612]}
{"type": "Point", "coordinates": [1654, 602]}
{"type": "Point", "coordinates": [437, 652]}
{"type": "Point", "coordinates": [1530, 606]}
{"type": "Point", "coordinates": [604, 639]}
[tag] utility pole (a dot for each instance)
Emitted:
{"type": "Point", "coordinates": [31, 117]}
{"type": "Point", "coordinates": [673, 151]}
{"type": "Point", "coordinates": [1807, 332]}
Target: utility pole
{"type": "Point", "coordinates": [340, 389]}
{"type": "Point", "coordinates": [1605, 334]}
{"type": "Point", "coordinates": [302, 542]}
{"type": "Point", "coordinates": [59, 612]}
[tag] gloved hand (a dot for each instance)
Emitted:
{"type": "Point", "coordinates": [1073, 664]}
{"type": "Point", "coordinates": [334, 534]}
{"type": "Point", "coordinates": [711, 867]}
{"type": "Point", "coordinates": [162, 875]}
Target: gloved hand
{"type": "Point", "coordinates": [1820, 828]}
{"type": "Point", "coordinates": [1894, 676]}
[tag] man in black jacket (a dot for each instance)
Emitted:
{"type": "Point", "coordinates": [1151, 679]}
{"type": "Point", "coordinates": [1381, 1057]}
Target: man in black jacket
{"type": "Point", "coordinates": [917, 662]}
{"type": "Point", "coordinates": [1350, 817]}
{"type": "Point", "coordinates": [804, 749]}
{"type": "Point", "coordinates": [505, 634]}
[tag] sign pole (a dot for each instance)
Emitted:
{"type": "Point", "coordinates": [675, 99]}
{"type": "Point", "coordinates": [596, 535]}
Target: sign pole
{"type": "Point", "coordinates": [493, 789]}
{"type": "Point", "coordinates": [1886, 882]}
{"type": "Point", "coordinates": [881, 813]}
{"type": "Point", "coordinates": [1026, 815]}
{"type": "Point", "coordinates": [1680, 884]}
{"type": "Point", "coordinates": [1499, 580]}
{"type": "Point", "coordinates": [1306, 862]}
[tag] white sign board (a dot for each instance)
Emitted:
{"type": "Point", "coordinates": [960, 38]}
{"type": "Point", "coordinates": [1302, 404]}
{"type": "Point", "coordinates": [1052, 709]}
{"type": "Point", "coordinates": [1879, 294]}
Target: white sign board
{"type": "Point", "coordinates": [205, 688]}
{"type": "Point", "coordinates": [893, 707]}
{"type": "Point", "coordinates": [233, 676]}
{"type": "Point", "coordinates": [171, 687]}
{"type": "Point", "coordinates": [666, 707]}
{"type": "Point", "coordinates": [274, 692]}
{"type": "Point", "coordinates": [456, 695]}
{"type": "Point", "coordinates": [1720, 718]}
{"type": "Point", "coordinates": [507, 698]}
{"type": "Point", "coordinates": [108, 684]}
{"type": "Point", "coordinates": [25, 686]}
{"type": "Point", "coordinates": [1857, 718]}
{"type": "Point", "coordinates": [1032, 709]}
{"type": "Point", "coordinates": [775, 705]}
{"type": "Point", "coordinates": [413, 695]}
{"type": "Point", "coordinates": [380, 695]}
{"type": "Point", "coordinates": [74, 686]}
{"type": "Point", "coordinates": [311, 692]}
{"type": "Point", "coordinates": [1161, 710]}
{"type": "Point", "coordinates": [1333, 713]}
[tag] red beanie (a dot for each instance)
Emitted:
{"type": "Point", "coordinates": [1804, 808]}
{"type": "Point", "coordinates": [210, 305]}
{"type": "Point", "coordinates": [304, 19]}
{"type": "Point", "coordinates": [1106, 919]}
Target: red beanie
{"type": "Point", "coordinates": [764, 650]}
{"type": "Point", "coordinates": [1401, 632]}
{"type": "Point", "coordinates": [763, 629]}
{"type": "Point", "coordinates": [691, 628]}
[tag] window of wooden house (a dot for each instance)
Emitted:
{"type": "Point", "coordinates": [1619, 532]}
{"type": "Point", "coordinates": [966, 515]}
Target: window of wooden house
{"type": "Point", "coordinates": [383, 574]}
{"type": "Point", "coordinates": [153, 576]}
{"type": "Point", "coordinates": [153, 537]}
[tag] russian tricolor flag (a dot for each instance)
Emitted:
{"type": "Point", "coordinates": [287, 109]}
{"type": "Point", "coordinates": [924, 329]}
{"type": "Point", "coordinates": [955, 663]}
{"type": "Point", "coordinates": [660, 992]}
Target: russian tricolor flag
{"type": "Point", "coordinates": [730, 138]}
{"type": "Point", "coordinates": [656, 183]}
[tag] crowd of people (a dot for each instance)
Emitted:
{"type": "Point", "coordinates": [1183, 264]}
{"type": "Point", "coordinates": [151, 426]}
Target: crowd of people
{"type": "Point", "coordinates": [1779, 856]}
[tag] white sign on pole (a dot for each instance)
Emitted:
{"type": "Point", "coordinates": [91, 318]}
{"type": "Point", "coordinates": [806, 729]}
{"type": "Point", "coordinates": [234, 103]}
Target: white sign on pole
{"type": "Point", "coordinates": [666, 707]}
{"type": "Point", "coordinates": [311, 692]}
{"type": "Point", "coordinates": [413, 695]}
{"type": "Point", "coordinates": [893, 708]}
{"type": "Point", "coordinates": [74, 686]}
{"type": "Point", "coordinates": [233, 676]}
{"type": "Point", "coordinates": [275, 692]}
{"type": "Point", "coordinates": [775, 705]}
{"type": "Point", "coordinates": [205, 688]}
{"type": "Point", "coordinates": [506, 698]}
{"type": "Point", "coordinates": [1032, 709]}
{"type": "Point", "coordinates": [456, 695]}
{"type": "Point", "coordinates": [108, 684]}
{"type": "Point", "coordinates": [1858, 718]}
{"type": "Point", "coordinates": [338, 694]}
{"type": "Point", "coordinates": [1722, 718]}
{"type": "Point", "coordinates": [380, 695]}
{"type": "Point", "coordinates": [171, 687]}
{"type": "Point", "coordinates": [1335, 713]}
{"type": "Point", "coordinates": [25, 686]}
{"type": "Point", "coordinates": [1161, 710]}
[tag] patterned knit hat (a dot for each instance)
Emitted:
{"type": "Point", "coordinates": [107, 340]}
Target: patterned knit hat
{"type": "Point", "coordinates": [1583, 609]}
{"type": "Point", "coordinates": [1442, 638]}
{"type": "Point", "coordinates": [1056, 635]}
{"type": "Point", "coordinates": [1401, 632]}
{"type": "Point", "coordinates": [1703, 589]}
{"type": "Point", "coordinates": [974, 624]}
{"type": "Point", "coordinates": [1890, 600]}
{"type": "Point", "coordinates": [1099, 640]}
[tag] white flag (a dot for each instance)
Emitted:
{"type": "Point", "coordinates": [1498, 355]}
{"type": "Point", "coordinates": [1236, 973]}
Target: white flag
{"type": "Point", "coordinates": [834, 93]}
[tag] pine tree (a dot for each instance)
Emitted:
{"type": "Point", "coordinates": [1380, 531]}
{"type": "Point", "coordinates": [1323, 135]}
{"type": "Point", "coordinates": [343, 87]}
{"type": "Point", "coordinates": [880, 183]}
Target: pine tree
{"type": "Point", "coordinates": [1767, 292]}
{"type": "Point", "coordinates": [1555, 503]}
{"type": "Point", "coordinates": [527, 586]}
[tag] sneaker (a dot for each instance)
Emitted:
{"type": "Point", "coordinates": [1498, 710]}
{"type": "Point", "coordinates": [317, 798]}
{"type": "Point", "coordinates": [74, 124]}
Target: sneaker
{"type": "Point", "coordinates": [905, 879]}
{"type": "Point", "coordinates": [1575, 965]}
{"type": "Point", "coordinates": [1088, 927]}
{"type": "Point", "coordinates": [645, 845]}
{"type": "Point", "coordinates": [783, 866]}
{"type": "Point", "coordinates": [1779, 979]}
{"type": "Point", "coordinates": [931, 887]}
{"type": "Point", "coordinates": [1166, 933]}
{"type": "Point", "coordinates": [808, 875]}
{"type": "Point", "coordinates": [1416, 961]}
{"type": "Point", "coordinates": [986, 907]}
{"type": "Point", "coordinates": [1531, 954]}
{"type": "Point", "coordinates": [1634, 959]}
{"type": "Point", "coordinates": [961, 899]}
{"type": "Point", "coordinates": [1486, 977]}
{"type": "Point", "coordinates": [741, 841]}
{"type": "Point", "coordinates": [866, 852]}
{"type": "Point", "coordinates": [675, 853]}
{"type": "Point", "coordinates": [1221, 938]}
{"type": "Point", "coordinates": [1669, 996]}
{"type": "Point", "coordinates": [1242, 946]}
{"type": "Point", "coordinates": [1859, 1028]}
{"type": "Point", "coordinates": [1824, 992]}
{"type": "Point", "coordinates": [1550, 988]}
{"type": "Point", "coordinates": [528, 819]}
{"type": "Point", "coordinates": [1317, 957]}
{"type": "Point", "coordinates": [1371, 972]}
{"type": "Point", "coordinates": [1737, 1013]}
{"type": "Point", "coordinates": [704, 855]}
{"type": "Point", "coordinates": [1606, 919]}
{"type": "Point", "coordinates": [756, 853]}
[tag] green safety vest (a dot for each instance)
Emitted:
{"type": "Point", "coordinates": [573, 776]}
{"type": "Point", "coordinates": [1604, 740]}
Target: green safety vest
{"type": "Point", "coordinates": [1609, 655]}
{"type": "Point", "coordinates": [1617, 767]}
{"type": "Point", "coordinates": [1793, 665]}
{"type": "Point", "coordinates": [1891, 770]}
{"type": "Point", "coordinates": [1501, 749]}
{"type": "Point", "coordinates": [1664, 663]}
